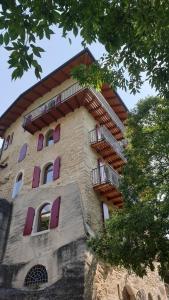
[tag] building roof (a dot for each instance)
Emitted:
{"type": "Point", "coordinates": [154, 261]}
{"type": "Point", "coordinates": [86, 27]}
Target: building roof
{"type": "Point", "coordinates": [52, 80]}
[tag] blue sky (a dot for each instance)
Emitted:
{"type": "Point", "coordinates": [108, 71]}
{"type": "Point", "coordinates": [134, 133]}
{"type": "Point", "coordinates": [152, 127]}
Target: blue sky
{"type": "Point", "coordinates": [57, 51]}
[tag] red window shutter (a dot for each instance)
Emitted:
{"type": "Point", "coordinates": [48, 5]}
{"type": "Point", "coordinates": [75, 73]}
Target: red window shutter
{"type": "Point", "coordinates": [40, 142]}
{"type": "Point", "coordinates": [29, 221]}
{"type": "Point", "coordinates": [36, 177]}
{"type": "Point", "coordinates": [56, 168]}
{"type": "Point", "coordinates": [22, 153]}
{"type": "Point", "coordinates": [56, 134]}
{"type": "Point", "coordinates": [54, 220]}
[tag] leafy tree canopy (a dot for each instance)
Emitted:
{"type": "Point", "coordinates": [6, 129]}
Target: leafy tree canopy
{"type": "Point", "coordinates": [135, 35]}
{"type": "Point", "coordinates": [138, 235]}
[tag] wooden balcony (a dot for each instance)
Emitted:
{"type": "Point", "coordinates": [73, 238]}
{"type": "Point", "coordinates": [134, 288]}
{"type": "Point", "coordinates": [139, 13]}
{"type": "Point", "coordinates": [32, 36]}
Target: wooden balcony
{"type": "Point", "coordinates": [108, 147]}
{"type": "Point", "coordinates": [105, 180]}
{"type": "Point", "coordinates": [67, 101]}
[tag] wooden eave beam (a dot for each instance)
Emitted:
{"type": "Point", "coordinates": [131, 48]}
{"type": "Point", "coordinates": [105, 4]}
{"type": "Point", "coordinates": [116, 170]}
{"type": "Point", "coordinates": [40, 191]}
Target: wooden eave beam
{"type": "Point", "coordinates": [56, 81]}
{"type": "Point", "coordinates": [65, 74]}
{"type": "Point", "coordinates": [37, 93]}
{"type": "Point", "coordinates": [60, 111]}
{"type": "Point", "coordinates": [44, 122]}
{"type": "Point", "coordinates": [45, 87]}
{"type": "Point", "coordinates": [77, 101]}
{"type": "Point", "coordinates": [68, 105]}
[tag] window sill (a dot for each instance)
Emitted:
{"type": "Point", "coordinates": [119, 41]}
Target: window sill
{"type": "Point", "coordinates": [40, 232]}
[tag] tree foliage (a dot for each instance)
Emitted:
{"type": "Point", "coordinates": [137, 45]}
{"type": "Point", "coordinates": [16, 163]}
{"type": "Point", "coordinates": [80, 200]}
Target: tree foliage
{"type": "Point", "coordinates": [135, 35]}
{"type": "Point", "coordinates": [138, 235]}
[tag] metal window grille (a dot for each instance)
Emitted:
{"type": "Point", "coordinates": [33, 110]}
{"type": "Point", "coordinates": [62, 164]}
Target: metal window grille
{"type": "Point", "coordinates": [36, 275]}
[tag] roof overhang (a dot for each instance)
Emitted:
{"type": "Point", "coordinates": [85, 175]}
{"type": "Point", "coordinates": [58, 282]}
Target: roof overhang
{"type": "Point", "coordinates": [52, 80]}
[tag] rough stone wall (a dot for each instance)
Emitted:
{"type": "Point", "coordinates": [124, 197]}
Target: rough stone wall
{"type": "Point", "coordinates": [105, 283]}
{"type": "Point", "coordinates": [39, 248]}
{"type": "Point", "coordinates": [70, 286]}
{"type": "Point", "coordinates": [80, 205]}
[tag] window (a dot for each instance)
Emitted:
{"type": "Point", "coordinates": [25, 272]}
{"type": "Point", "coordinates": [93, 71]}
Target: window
{"type": "Point", "coordinates": [47, 216]}
{"type": "Point", "coordinates": [141, 295]}
{"type": "Point", "coordinates": [159, 298]}
{"type": "Point", "coordinates": [44, 217]}
{"type": "Point", "coordinates": [6, 143]}
{"type": "Point", "coordinates": [125, 294]}
{"type": "Point", "coordinates": [36, 275]}
{"type": "Point", "coordinates": [105, 210]}
{"type": "Point", "coordinates": [48, 174]}
{"type": "Point", "coordinates": [17, 185]}
{"type": "Point", "coordinates": [49, 138]}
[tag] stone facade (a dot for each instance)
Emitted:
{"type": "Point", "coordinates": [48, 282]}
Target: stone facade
{"type": "Point", "coordinates": [73, 273]}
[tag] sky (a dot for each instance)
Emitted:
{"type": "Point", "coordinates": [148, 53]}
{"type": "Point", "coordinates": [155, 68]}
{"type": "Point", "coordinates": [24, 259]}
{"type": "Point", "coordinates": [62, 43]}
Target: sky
{"type": "Point", "coordinates": [57, 51]}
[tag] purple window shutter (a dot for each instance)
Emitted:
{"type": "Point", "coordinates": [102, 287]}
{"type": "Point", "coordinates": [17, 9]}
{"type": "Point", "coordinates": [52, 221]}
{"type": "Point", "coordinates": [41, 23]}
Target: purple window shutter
{"type": "Point", "coordinates": [40, 142]}
{"type": "Point", "coordinates": [54, 220]}
{"type": "Point", "coordinates": [56, 168]}
{"type": "Point", "coordinates": [22, 153]}
{"type": "Point", "coordinates": [29, 221]}
{"type": "Point", "coordinates": [36, 177]}
{"type": "Point", "coordinates": [56, 134]}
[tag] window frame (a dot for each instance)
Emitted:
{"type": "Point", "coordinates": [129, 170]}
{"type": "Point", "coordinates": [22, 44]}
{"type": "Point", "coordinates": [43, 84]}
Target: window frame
{"type": "Point", "coordinates": [36, 219]}
{"type": "Point", "coordinates": [15, 181]}
{"type": "Point", "coordinates": [44, 175]}
{"type": "Point", "coordinates": [49, 133]}
{"type": "Point", "coordinates": [36, 284]}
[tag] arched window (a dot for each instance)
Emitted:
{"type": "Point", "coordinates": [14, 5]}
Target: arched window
{"type": "Point", "coordinates": [49, 138]}
{"type": "Point", "coordinates": [48, 174]}
{"type": "Point", "coordinates": [141, 295]}
{"type": "Point", "coordinates": [6, 142]}
{"type": "Point", "coordinates": [17, 185]}
{"type": "Point", "coordinates": [36, 275]}
{"type": "Point", "coordinates": [125, 294]}
{"type": "Point", "coordinates": [44, 217]}
{"type": "Point", "coordinates": [159, 298]}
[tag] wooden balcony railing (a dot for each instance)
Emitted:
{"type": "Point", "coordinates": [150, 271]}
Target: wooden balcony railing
{"type": "Point", "coordinates": [106, 181]}
{"type": "Point", "coordinates": [107, 146]}
{"type": "Point", "coordinates": [67, 101]}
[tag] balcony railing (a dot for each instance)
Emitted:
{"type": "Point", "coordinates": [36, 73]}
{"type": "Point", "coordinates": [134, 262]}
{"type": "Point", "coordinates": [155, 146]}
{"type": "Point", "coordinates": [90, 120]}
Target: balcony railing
{"type": "Point", "coordinates": [105, 175]}
{"type": "Point", "coordinates": [65, 96]}
{"type": "Point", "coordinates": [108, 109]}
{"type": "Point", "coordinates": [54, 102]}
{"type": "Point", "coordinates": [103, 134]}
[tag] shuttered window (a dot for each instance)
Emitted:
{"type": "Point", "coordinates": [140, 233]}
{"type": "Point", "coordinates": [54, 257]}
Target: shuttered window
{"type": "Point", "coordinates": [6, 143]}
{"type": "Point", "coordinates": [17, 185]}
{"type": "Point", "coordinates": [40, 142]}
{"type": "Point", "coordinates": [44, 217]}
{"type": "Point", "coordinates": [23, 152]}
{"type": "Point", "coordinates": [54, 221]}
{"type": "Point", "coordinates": [56, 134]}
{"type": "Point", "coordinates": [56, 168]}
{"type": "Point", "coordinates": [29, 221]}
{"type": "Point", "coordinates": [36, 177]}
{"type": "Point", "coordinates": [49, 137]}
{"type": "Point", "coordinates": [48, 174]}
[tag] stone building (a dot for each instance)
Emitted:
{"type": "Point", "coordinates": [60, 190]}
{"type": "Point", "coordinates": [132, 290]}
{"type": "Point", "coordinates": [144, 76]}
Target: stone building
{"type": "Point", "coordinates": [59, 171]}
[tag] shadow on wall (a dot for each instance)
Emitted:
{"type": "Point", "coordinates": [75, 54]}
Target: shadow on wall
{"type": "Point", "coordinates": [5, 219]}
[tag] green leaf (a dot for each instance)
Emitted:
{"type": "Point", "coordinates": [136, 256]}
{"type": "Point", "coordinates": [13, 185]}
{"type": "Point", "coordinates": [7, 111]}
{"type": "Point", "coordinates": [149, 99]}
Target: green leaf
{"type": "Point", "coordinates": [1, 39]}
{"type": "Point", "coordinates": [75, 31]}
{"type": "Point", "coordinates": [6, 38]}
